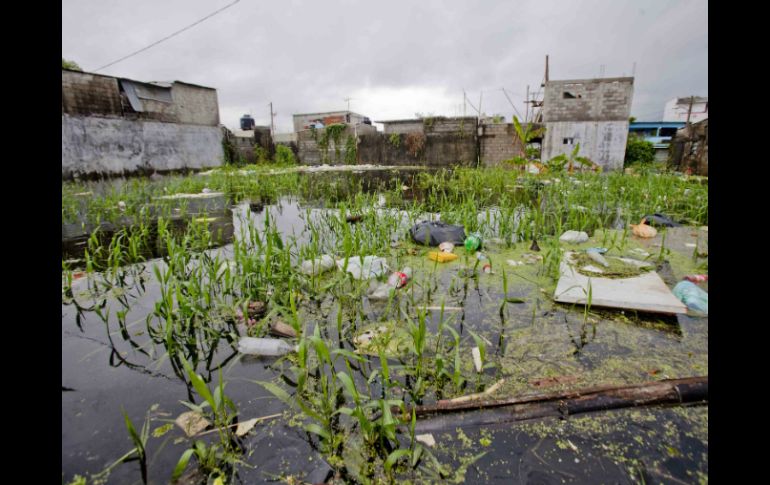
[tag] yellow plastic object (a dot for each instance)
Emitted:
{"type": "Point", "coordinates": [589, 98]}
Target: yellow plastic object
{"type": "Point", "coordinates": [441, 256]}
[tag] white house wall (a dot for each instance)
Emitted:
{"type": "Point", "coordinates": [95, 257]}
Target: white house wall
{"type": "Point", "coordinates": [604, 142]}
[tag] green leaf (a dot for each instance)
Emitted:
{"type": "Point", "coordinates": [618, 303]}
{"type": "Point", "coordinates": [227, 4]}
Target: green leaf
{"type": "Point", "coordinates": [416, 454]}
{"type": "Point", "coordinates": [515, 300]}
{"type": "Point", "coordinates": [276, 390]}
{"type": "Point", "coordinates": [349, 355]}
{"type": "Point", "coordinates": [182, 464]}
{"type": "Point", "coordinates": [350, 387]}
{"type": "Point", "coordinates": [393, 458]}
{"type": "Point", "coordinates": [314, 428]}
{"type": "Point", "coordinates": [200, 386]}
{"type": "Point", "coordinates": [132, 432]}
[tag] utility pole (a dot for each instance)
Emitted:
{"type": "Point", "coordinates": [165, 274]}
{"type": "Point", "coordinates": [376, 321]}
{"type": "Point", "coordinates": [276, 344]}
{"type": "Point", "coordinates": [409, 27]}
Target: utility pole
{"type": "Point", "coordinates": [272, 120]}
{"type": "Point", "coordinates": [481, 94]}
{"type": "Point", "coordinates": [348, 100]}
{"type": "Point", "coordinates": [526, 115]}
{"type": "Point", "coordinates": [689, 111]}
{"type": "Point", "coordinates": [546, 68]}
{"type": "Point", "coordinates": [464, 103]}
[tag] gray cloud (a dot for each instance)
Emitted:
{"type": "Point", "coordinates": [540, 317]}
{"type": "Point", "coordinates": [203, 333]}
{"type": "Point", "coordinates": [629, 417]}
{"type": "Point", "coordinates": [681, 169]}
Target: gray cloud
{"type": "Point", "coordinates": [395, 58]}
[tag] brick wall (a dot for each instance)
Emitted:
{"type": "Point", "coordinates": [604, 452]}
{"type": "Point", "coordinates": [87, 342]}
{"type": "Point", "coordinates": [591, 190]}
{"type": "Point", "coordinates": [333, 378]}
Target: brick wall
{"type": "Point", "coordinates": [498, 143]}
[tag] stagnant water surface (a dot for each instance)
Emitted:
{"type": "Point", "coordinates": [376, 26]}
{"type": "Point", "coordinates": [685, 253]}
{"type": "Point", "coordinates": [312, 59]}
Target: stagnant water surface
{"type": "Point", "coordinates": [106, 370]}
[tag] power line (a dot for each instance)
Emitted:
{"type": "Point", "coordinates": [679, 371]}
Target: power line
{"type": "Point", "coordinates": [168, 37]}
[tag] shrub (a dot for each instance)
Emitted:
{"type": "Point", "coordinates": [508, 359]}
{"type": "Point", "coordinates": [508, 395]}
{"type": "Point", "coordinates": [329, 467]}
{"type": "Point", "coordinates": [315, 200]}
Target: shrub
{"type": "Point", "coordinates": [639, 151]}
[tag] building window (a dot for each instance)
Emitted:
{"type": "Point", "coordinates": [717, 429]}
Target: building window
{"type": "Point", "coordinates": [667, 132]}
{"type": "Point", "coordinates": [568, 95]}
{"type": "Point", "coordinates": [569, 141]}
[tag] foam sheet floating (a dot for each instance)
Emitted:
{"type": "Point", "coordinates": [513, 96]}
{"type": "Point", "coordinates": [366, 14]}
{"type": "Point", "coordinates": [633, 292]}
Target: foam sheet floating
{"type": "Point", "coordinates": [646, 292]}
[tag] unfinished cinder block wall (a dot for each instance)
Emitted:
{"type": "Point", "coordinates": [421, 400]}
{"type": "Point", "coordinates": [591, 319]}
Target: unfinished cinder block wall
{"type": "Point", "coordinates": [499, 142]}
{"type": "Point", "coordinates": [591, 112]}
{"type": "Point", "coordinates": [103, 135]}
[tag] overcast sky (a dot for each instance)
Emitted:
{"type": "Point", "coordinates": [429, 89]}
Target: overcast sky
{"type": "Point", "coordinates": [395, 58]}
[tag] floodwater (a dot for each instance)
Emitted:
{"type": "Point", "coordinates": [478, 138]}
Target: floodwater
{"type": "Point", "coordinates": [537, 346]}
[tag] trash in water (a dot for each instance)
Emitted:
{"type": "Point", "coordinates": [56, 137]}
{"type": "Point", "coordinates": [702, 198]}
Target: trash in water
{"type": "Point", "coordinates": [397, 279]}
{"type": "Point", "coordinates": [574, 237]}
{"type": "Point", "coordinates": [255, 310]}
{"type": "Point", "coordinates": [532, 258]}
{"type": "Point", "coordinates": [697, 278]}
{"type": "Point", "coordinates": [317, 266]}
{"type": "Point", "coordinates": [433, 233]}
{"type": "Point", "coordinates": [472, 242]}
{"type": "Point", "coordinates": [265, 346]}
{"type": "Point", "coordinates": [282, 329]}
{"type": "Point", "coordinates": [426, 439]}
{"type": "Point", "coordinates": [487, 268]}
{"type": "Point", "coordinates": [690, 245]}
{"type": "Point", "coordinates": [515, 263]}
{"type": "Point", "coordinates": [693, 296]}
{"type": "Point", "coordinates": [597, 250]}
{"type": "Point", "coordinates": [364, 268]}
{"type": "Point", "coordinates": [446, 247]}
{"type": "Point", "coordinates": [643, 230]}
{"type": "Point", "coordinates": [476, 358]}
{"type": "Point", "coordinates": [393, 340]}
{"type": "Point", "coordinates": [442, 257]}
{"type": "Point", "coordinates": [192, 423]}
{"type": "Point", "coordinates": [598, 258]}
{"type": "Point", "coordinates": [122, 206]}
{"type": "Point", "coordinates": [660, 220]}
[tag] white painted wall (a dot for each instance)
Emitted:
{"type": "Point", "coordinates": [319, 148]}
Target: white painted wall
{"type": "Point", "coordinates": [678, 112]}
{"type": "Point", "coordinates": [604, 142]}
{"type": "Point", "coordinates": [114, 146]}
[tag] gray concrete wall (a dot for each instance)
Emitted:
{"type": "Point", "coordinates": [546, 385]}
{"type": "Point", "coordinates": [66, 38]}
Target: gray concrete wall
{"type": "Point", "coordinates": [604, 142]}
{"type": "Point", "coordinates": [607, 99]}
{"type": "Point", "coordinates": [403, 127]}
{"type": "Point", "coordinates": [116, 146]}
{"type": "Point", "coordinates": [591, 112]}
{"type": "Point", "coordinates": [195, 105]}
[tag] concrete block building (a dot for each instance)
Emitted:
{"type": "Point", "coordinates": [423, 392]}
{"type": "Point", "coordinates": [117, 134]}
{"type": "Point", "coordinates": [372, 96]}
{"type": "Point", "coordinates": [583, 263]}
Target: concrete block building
{"type": "Point", "coordinates": [117, 126]}
{"type": "Point", "coordinates": [591, 112]}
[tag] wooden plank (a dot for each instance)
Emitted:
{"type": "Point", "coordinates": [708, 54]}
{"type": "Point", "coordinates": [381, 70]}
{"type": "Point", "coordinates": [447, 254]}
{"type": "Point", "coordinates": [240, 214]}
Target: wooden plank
{"type": "Point", "coordinates": [646, 292]}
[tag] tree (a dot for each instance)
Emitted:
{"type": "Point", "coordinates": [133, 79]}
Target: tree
{"type": "Point", "coordinates": [526, 135]}
{"type": "Point", "coordinates": [639, 150]}
{"type": "Point", "coordinates": [65, 64]}
{"type": "Point", "coordinates": [632, 119]}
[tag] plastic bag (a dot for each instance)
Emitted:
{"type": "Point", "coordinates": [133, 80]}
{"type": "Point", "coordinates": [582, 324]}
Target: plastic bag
{"type": "Point", "coordinates": [317, 266]}
{"type": "Point", "coordinates": [643, 230]}
{"type": "Point", "coordinates": [574, 237]}
{"type": "Point", "coordinates": [438, 232]}
{"type": "Point", "coordinates": [660, 220]}
{"type": "Point", "coordinates": [366, 267]}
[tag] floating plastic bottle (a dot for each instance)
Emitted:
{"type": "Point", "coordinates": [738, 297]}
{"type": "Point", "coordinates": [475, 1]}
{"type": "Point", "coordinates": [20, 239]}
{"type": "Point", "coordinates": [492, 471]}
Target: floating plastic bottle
{"type": "Point", "coordinates": [398, 279]}
{"type": "Point", "coordinates": [692, 296]}
{"type": "Point", "coordinates": [265, 346]}
{"type": "Point", "coordinates": [473, 242]}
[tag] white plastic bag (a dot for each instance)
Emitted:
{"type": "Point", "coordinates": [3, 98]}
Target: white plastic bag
{"type": "Point", "coordinates": [369, 267]}
{"type": "Point", "coordinates": [318, 265]}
